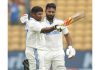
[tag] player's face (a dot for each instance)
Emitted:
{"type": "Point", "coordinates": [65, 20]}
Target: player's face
{"type": "Point", "coordinates": [38, 16]}
{"type": "Point", "coordinates": [50, 13]}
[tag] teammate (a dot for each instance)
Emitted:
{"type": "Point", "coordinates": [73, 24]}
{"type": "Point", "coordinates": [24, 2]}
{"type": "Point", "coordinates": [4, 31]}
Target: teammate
{"type": "Point", "coordinates": [35, 40]}
{"type": "Point", "coordinates": [54, 42]}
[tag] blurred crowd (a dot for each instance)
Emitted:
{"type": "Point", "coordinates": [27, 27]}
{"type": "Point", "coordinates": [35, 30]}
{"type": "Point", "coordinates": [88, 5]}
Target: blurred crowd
{"type": "Point", "coordinates": [15, 10]}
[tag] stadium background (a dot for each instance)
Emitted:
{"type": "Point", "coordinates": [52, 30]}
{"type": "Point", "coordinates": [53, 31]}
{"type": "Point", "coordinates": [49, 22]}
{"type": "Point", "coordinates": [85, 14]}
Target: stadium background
{"type": "Point", "coordinates": [81, 33]}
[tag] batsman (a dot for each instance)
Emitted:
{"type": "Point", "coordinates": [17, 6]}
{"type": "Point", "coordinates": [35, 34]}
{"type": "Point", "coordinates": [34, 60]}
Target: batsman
{"type": "Point", "coordinates": [54, 57]}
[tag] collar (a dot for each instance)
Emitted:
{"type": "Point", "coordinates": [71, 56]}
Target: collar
{"type": "Point", "coordinates": [48, 21]}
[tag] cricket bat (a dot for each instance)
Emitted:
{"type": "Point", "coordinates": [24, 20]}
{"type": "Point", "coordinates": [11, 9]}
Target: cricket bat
{"type": "Point", "coordinates": [73, 18]}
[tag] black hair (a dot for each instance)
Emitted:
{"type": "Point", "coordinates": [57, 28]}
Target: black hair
{"type": "Point", "coordinates": [36, 9]}
{"type": "Point", "coordinates": [51, 5]}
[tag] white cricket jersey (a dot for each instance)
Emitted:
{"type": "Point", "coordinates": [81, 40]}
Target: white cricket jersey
{"type": "Point", "coordinates": [54, 39]}
{"type": "Point", "coordinates": [34, 38]}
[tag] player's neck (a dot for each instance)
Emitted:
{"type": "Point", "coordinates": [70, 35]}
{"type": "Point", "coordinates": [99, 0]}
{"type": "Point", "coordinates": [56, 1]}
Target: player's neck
{"type": "Point", "coordinates": [50, 20]}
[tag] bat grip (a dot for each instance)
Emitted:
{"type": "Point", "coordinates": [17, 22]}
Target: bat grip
{"type": "Point", "coordinates": [68, 21]}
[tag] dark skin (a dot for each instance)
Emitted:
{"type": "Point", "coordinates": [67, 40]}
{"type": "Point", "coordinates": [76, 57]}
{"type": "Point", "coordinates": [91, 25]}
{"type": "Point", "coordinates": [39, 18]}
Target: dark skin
{"type": "Point", "coordinates": [50, 14]}
{"type": "Point", "coordinates": [38, 16]}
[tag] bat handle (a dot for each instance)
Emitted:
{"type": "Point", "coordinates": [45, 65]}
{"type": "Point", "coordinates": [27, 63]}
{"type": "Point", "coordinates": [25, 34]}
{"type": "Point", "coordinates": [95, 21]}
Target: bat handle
{"type": "Point", "coordinates": [68, 21]}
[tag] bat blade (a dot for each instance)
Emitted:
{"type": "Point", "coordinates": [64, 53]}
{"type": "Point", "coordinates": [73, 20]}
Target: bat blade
{"type": "Point", "coordinates": [73, 18]}
{"type": "Point", "coordinates": [78, 16]}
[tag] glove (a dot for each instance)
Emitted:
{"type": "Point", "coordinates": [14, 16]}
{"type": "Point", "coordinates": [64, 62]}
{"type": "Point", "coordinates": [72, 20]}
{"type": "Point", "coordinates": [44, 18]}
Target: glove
{"type": "Point", "coordinates": [70, 51]}
{"type": "Point", "coordinates": [59, 28]}
{"type": "Point", "coordinates": [24, 18]}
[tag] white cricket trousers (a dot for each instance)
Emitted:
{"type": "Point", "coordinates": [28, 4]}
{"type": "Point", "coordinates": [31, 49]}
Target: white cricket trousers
{"type": "Point", "coordinates": [55, 60]}
{"type": "Point", "coordinates": [35, 58]}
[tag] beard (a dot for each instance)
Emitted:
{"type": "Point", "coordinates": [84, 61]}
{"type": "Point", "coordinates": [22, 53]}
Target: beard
{"type": "Point", "coordinates": [50, 17]}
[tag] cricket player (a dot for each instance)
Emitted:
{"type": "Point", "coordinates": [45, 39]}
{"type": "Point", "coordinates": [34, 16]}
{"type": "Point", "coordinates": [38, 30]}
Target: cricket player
{"type": "Point", "coordinates": [35, 40]}
{"type": "Point", "coordinates": [55, 55]}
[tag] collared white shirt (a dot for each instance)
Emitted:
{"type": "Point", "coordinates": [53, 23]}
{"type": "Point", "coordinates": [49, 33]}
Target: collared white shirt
{"type": "Point", "coordinates": [34, 38]}
{"type": "Point", "coordinates": [54, 40]}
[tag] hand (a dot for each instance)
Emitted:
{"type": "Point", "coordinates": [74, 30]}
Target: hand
{"type": "Point", "coordinates": [59, 28]}
{"type": "Point", "coordinates": [24, 18]}
{"type": "Point", "coordinates": [70, 52]}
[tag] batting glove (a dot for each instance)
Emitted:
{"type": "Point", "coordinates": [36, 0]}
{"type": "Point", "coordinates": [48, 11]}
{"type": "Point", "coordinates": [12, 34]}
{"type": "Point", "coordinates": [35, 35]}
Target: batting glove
{"type": "Point", "coordinates": [70, 52]}
{"type": "Point", "coordinates": [60, 28]}
{"type": "Point", "coordinates": [24, 18]}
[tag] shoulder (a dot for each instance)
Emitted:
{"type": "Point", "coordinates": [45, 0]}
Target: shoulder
{"type": "Point", "coordinates": [58, 21]}
{"type": "Point", "coordinates": [31, 22]}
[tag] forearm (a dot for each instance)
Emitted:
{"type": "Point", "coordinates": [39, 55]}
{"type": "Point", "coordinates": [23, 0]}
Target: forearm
{"type": "Point", "coordinates": [68, 39]}
{"type": "Point", "coordinates": [70, 51]}
{"type": "Point", "coordinates": [47, 29]}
